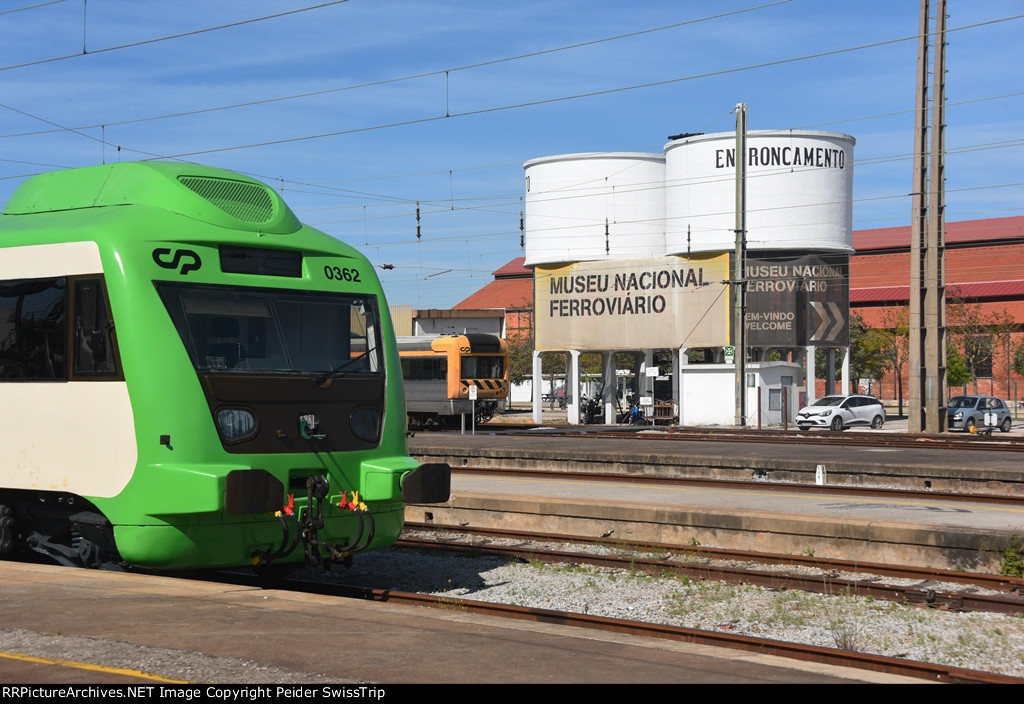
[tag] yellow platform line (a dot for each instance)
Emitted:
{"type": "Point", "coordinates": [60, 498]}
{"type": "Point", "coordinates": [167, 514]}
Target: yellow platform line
{"type": "Point", "coordinates": [89, 666]}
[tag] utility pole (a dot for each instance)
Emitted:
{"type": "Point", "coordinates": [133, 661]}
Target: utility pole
{"type": "Point", "coordinates": [927, 239]}
{"type": "Point", "coordinates": [739, 286]}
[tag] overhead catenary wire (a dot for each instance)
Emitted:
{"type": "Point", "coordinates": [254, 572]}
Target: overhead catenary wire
{"type": "Point", "coordinates": [153, 155]}
{"type": "Point", "coordinates": [129, 45]}
{"type": "Point", "coordinates": [513, 106]}
{"type": "Point", "coordinates": [564, 98]}
{"type": "Point", "coordinates": [369, 84]}
{"type": "Point", "coordinates": [458, 204]}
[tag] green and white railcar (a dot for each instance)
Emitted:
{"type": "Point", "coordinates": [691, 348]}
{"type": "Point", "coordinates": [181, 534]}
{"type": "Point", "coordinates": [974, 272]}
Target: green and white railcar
{"type": "Point", "coordinates": [189, 377]}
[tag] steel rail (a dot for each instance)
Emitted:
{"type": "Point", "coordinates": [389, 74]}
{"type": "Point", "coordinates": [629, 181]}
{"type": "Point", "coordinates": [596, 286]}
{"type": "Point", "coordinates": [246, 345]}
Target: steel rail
{"type": "Point", "coordinates": [764, 646]}
{"type": "Point", "coordinates": [825, 438]}
{"type": "Point", "coordinates": [1012, 604]}
{"type": "Point", "coordinates": [1011, 585]}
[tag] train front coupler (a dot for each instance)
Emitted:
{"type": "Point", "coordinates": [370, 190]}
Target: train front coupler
{"type": "Point", "coordinates": [312, 522]}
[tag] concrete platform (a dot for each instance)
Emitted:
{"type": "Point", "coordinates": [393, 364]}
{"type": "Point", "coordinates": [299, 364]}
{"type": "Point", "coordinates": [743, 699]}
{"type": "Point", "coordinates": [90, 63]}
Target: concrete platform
{"type": "Point", "coordinates": [976, 470]}
{"type": "Point", "coordinates": [163, 628]}
{"type": "Point", "coordinates": [971, 536]}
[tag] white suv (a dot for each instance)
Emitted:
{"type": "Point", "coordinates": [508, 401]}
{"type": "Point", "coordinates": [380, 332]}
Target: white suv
{"type": "Point", "coordinates": [840, 412]}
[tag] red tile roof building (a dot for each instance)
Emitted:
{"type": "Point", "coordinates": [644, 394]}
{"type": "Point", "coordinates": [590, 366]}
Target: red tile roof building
{"type": "Point", "coordinates": [984, 278]}
{"type": "Point", "coordinates": [512, 289]}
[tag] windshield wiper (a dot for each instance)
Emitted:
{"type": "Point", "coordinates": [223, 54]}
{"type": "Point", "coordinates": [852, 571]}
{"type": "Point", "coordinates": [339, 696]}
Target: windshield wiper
{"type": "Point", "coordinates": [320, 379]}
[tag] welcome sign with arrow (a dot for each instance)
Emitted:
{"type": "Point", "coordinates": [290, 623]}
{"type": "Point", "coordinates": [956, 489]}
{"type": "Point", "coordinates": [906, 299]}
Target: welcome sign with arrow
{"type": "Point", "coordinates": [798, 301]}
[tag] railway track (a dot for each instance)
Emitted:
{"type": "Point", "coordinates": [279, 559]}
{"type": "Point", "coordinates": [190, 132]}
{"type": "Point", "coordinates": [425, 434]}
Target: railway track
{"type": "Point", "coordinates": [829, 656]}
{"type": "Point", "coordinates": [960, 441]}
{"type": "Point", "coordinates": [829, 576]}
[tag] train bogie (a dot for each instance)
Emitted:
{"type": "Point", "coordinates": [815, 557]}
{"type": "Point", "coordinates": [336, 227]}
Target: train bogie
{"type": "Point", "coordinates": [213, 381]}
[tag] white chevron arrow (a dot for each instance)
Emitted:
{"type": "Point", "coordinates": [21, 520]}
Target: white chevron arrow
{"type": "Point", "coordinates": [831, 321]}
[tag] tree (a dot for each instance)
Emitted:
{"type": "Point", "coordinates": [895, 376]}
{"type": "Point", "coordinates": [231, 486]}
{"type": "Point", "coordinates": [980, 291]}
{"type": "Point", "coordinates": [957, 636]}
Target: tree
{"type": "Point", "coordinates": [520, 359]}
{"type": "Point", "coordinates": [957, 373]}
{"type": "Point", "coordinates": [1018, 359]}
{"type": "Point", "coordinates": [893, 343]}
{"type": "Point", "coordinates": [866, 361]}
{"type": "Point", "coordinates": [971, 331]}
{"type": "Point", "coordinates": [1002, 326]}
{"type": "Point", "coordinates": [975, 336]}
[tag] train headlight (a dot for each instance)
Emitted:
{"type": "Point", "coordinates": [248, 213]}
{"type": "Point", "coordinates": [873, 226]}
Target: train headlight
{"type": "Point", "coordinates": [235, 424]}
{"type": "Point", "coordinates": [365, 423]}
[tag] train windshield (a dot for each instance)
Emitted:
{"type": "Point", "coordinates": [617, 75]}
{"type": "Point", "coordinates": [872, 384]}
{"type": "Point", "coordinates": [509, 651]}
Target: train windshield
{"type": "Point", "coordinates": [483, 367]}
{"type": "Point", "coordinates": [232, 329]}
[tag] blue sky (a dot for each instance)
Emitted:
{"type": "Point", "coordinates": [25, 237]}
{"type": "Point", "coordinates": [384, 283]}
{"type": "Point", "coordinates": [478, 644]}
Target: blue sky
{"type": "Point", "coordinates": [358, 110]}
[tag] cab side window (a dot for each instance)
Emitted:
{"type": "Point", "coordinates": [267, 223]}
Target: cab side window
{"type": "Point", "coordinates": [54, 327]}
{"type": "Point", "coordinates": [93, 331]}
{"type": "Point", "coordinates": [33, 330]}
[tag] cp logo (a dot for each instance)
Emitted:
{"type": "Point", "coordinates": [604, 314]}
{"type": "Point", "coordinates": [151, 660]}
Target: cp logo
{"type": "Point", "coordinates": [186, 259]}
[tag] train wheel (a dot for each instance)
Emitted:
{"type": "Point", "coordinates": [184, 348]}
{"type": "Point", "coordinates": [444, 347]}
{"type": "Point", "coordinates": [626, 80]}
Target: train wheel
{"type": "Point", "coordinates": [60, 528]}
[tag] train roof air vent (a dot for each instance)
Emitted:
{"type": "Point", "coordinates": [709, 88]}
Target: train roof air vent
{"type": "Point", "coordinates": [249, 202]}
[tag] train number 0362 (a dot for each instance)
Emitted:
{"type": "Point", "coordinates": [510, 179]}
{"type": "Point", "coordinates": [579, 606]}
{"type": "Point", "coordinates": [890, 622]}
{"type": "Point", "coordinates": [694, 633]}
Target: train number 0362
{"type": "Point", "coordinates": [342, 274]}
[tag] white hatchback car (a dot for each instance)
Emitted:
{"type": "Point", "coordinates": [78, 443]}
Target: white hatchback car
{"type": "Point", "coordinates": [840, 412]}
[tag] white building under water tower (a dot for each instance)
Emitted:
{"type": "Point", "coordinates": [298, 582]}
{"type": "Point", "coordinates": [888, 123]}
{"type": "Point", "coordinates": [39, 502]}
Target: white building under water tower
{"type": "Point", "coordinates": [632, 252]}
